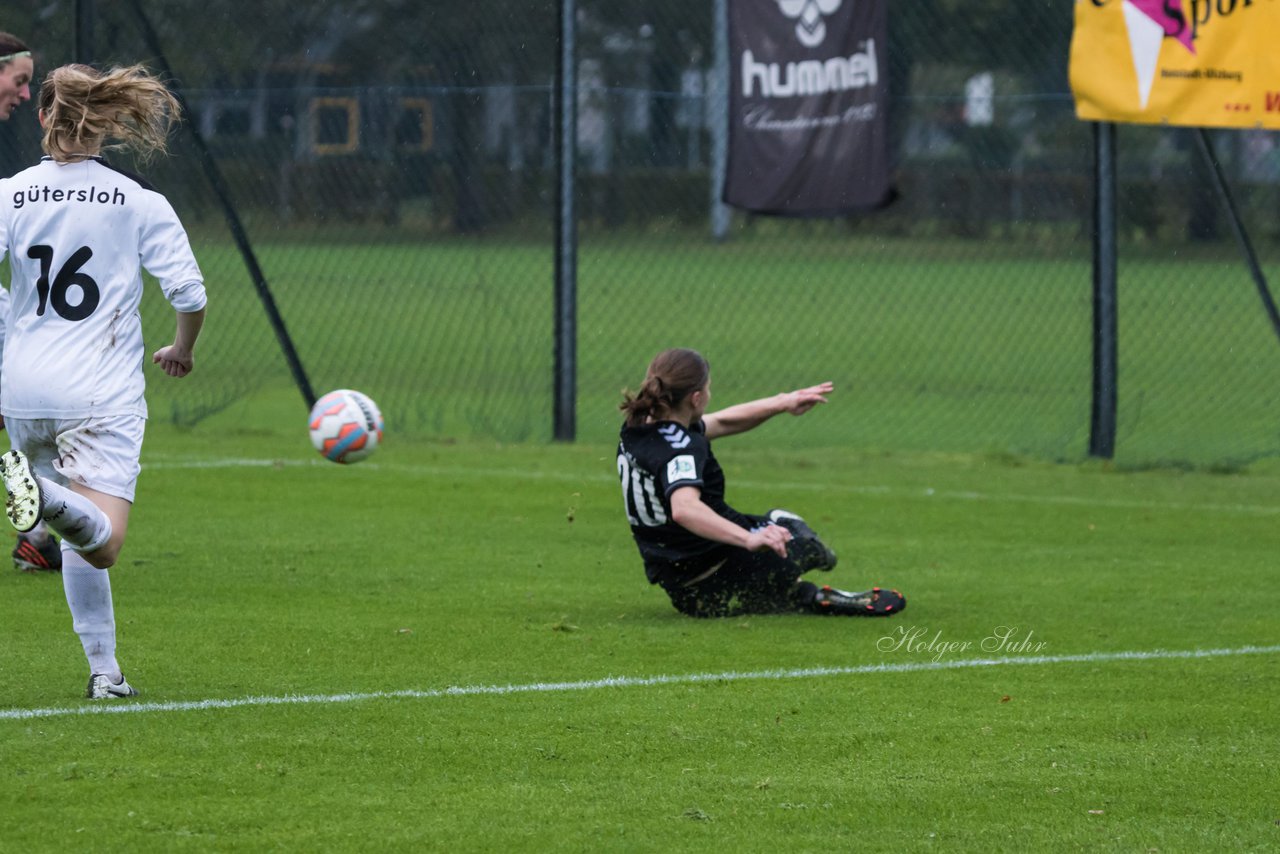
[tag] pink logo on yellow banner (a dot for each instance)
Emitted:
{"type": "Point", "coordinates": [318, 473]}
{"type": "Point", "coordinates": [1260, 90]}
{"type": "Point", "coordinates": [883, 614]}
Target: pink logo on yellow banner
{"type": "Point", "coordinates": [1202, 63]}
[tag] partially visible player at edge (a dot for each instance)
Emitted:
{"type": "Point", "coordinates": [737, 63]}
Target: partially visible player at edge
{"type": "Point", "coordinates": [78, 233]}
{"type": "Point", "coordinates": [712, 560]}
{"type": "Point", "coordinates": [35, 550]}
{"type": "Point", "coordinates": [16, 69]}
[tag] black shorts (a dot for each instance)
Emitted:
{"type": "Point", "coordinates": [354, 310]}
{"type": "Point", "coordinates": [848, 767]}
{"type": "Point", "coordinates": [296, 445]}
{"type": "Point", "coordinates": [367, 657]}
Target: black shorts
{"type": "Point", "coordinates": [730, 580]}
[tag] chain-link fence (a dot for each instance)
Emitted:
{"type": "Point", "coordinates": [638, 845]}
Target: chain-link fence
{"type": "Point", "coordinates": [393, 165]}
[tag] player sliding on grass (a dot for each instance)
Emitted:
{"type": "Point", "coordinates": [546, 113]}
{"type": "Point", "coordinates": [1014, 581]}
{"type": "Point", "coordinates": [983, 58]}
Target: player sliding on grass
{"type": "Point", "coordinates": [710, 559]}
{"type": "Point", "coordinates": [77, 233]}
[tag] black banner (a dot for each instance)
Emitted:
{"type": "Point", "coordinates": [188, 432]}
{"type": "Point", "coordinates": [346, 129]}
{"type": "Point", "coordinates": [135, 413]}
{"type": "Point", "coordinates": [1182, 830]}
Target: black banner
{"type": "Point", "coordinates": [808, 98]}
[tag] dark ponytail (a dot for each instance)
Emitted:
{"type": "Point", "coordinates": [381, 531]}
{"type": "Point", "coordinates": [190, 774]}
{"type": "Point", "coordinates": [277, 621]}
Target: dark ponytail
{"type": "Point", "coordinates": [673, 375]}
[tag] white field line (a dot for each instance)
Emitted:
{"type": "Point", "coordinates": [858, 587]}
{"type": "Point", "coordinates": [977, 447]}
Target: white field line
{"type": "Point", "coordinates": [856, 489]}
{"type": "Point", "coordinates": [124, 707]}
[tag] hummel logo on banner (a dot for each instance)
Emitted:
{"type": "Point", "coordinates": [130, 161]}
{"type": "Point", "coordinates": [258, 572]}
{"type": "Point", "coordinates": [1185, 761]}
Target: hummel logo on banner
{"type": "Point", "coordinates": [675, 437]}
{"type": "Point", "coordinates": [810, 28]}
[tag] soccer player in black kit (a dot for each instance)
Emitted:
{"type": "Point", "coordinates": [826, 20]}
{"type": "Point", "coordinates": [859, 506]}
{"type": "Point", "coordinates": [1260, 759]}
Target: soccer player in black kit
{"type": "Point", "coordinates": [712, 560]}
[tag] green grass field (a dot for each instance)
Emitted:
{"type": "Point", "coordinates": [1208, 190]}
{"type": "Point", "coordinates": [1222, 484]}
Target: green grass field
{"type": "Point", "coordinates": [946, 345]}
{"type": "Point", "coordinates": [415, 653]}
{"type": "Point", "coordinates": [958, 346]}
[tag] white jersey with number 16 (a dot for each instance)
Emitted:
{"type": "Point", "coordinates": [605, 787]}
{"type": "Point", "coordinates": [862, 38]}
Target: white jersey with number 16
{"type": "Point", "coordinates": [78, 236]}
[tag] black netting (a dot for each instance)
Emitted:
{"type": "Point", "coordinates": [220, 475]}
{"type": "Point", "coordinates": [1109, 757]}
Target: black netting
{"type": "Point", "coordinates": [394, 168]}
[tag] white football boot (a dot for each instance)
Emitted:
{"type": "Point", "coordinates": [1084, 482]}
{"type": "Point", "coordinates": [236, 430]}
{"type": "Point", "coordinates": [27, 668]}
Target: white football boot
{"type": "Point", "coordinates": [102, 688]}
{"type": "Point", "coordinates": [22, 503]}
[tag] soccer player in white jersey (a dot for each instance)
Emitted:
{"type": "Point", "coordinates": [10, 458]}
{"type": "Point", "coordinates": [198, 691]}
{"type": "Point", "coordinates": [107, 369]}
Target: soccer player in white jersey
{"type": "Point", "coordinates": [78, 234]}
{"type": "Point", "coordinates": [35, 549]}
{"type": "Point", "coordinates": [712, 560]}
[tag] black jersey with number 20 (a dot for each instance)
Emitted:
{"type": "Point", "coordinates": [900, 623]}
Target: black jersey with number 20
{"type": "Point", "coordinates": [654, 460]}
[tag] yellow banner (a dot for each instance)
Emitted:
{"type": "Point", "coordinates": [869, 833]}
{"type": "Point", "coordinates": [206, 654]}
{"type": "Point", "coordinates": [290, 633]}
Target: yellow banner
{"type": "Point", "coordinates": [1203, 63]}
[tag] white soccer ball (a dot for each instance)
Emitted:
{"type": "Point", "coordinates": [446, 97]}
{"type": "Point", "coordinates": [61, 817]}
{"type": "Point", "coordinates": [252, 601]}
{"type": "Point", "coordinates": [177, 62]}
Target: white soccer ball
{"type": "Point", "coordinates": [346, 426]}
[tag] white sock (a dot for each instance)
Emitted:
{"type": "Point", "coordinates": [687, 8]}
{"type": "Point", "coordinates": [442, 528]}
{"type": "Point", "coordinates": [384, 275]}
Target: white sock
{"type": "Point", "coordinates": [39, 535]}
{"type": "Point", "coordinates": [79, 521]}
{"type": "Point", "coordinates": [88, 592]}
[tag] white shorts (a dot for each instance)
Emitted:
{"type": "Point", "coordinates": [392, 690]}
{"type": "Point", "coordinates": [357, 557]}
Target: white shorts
{"type": "Point", "coordinates": [100, 453]}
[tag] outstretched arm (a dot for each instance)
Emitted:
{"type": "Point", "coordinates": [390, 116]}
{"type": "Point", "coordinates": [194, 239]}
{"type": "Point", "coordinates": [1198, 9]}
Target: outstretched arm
{"type": "Point", "coordinates": [743, 416]}
{"type": "Point", "coordinates": [689, 512]}
{"type": "Point", "coordinates": [178, 358]}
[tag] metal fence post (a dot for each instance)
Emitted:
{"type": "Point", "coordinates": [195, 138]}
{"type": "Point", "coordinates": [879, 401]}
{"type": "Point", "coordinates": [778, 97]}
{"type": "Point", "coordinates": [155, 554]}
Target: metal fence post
{"type": "Point", "coordinates": [1102, 429]}
{"type": "Point", "coordinates": [82, 47]}
{"type": "Point", "coordinates": [566, 273]}
{"type": "Point", "coordinates": [718, 103]}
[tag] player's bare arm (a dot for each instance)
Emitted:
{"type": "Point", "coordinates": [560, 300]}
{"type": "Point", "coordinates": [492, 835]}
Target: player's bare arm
{"type": "Point", "coordinates": [744, 416]}
{"type": "Point", "coordinates": [178, 359]}
{"type": "Point", "coordinates": [689, 512]}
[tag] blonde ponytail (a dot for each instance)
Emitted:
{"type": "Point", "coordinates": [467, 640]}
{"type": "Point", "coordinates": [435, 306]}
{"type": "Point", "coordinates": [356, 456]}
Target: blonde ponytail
{"type": "Point", "coordinates": [85, 110]}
